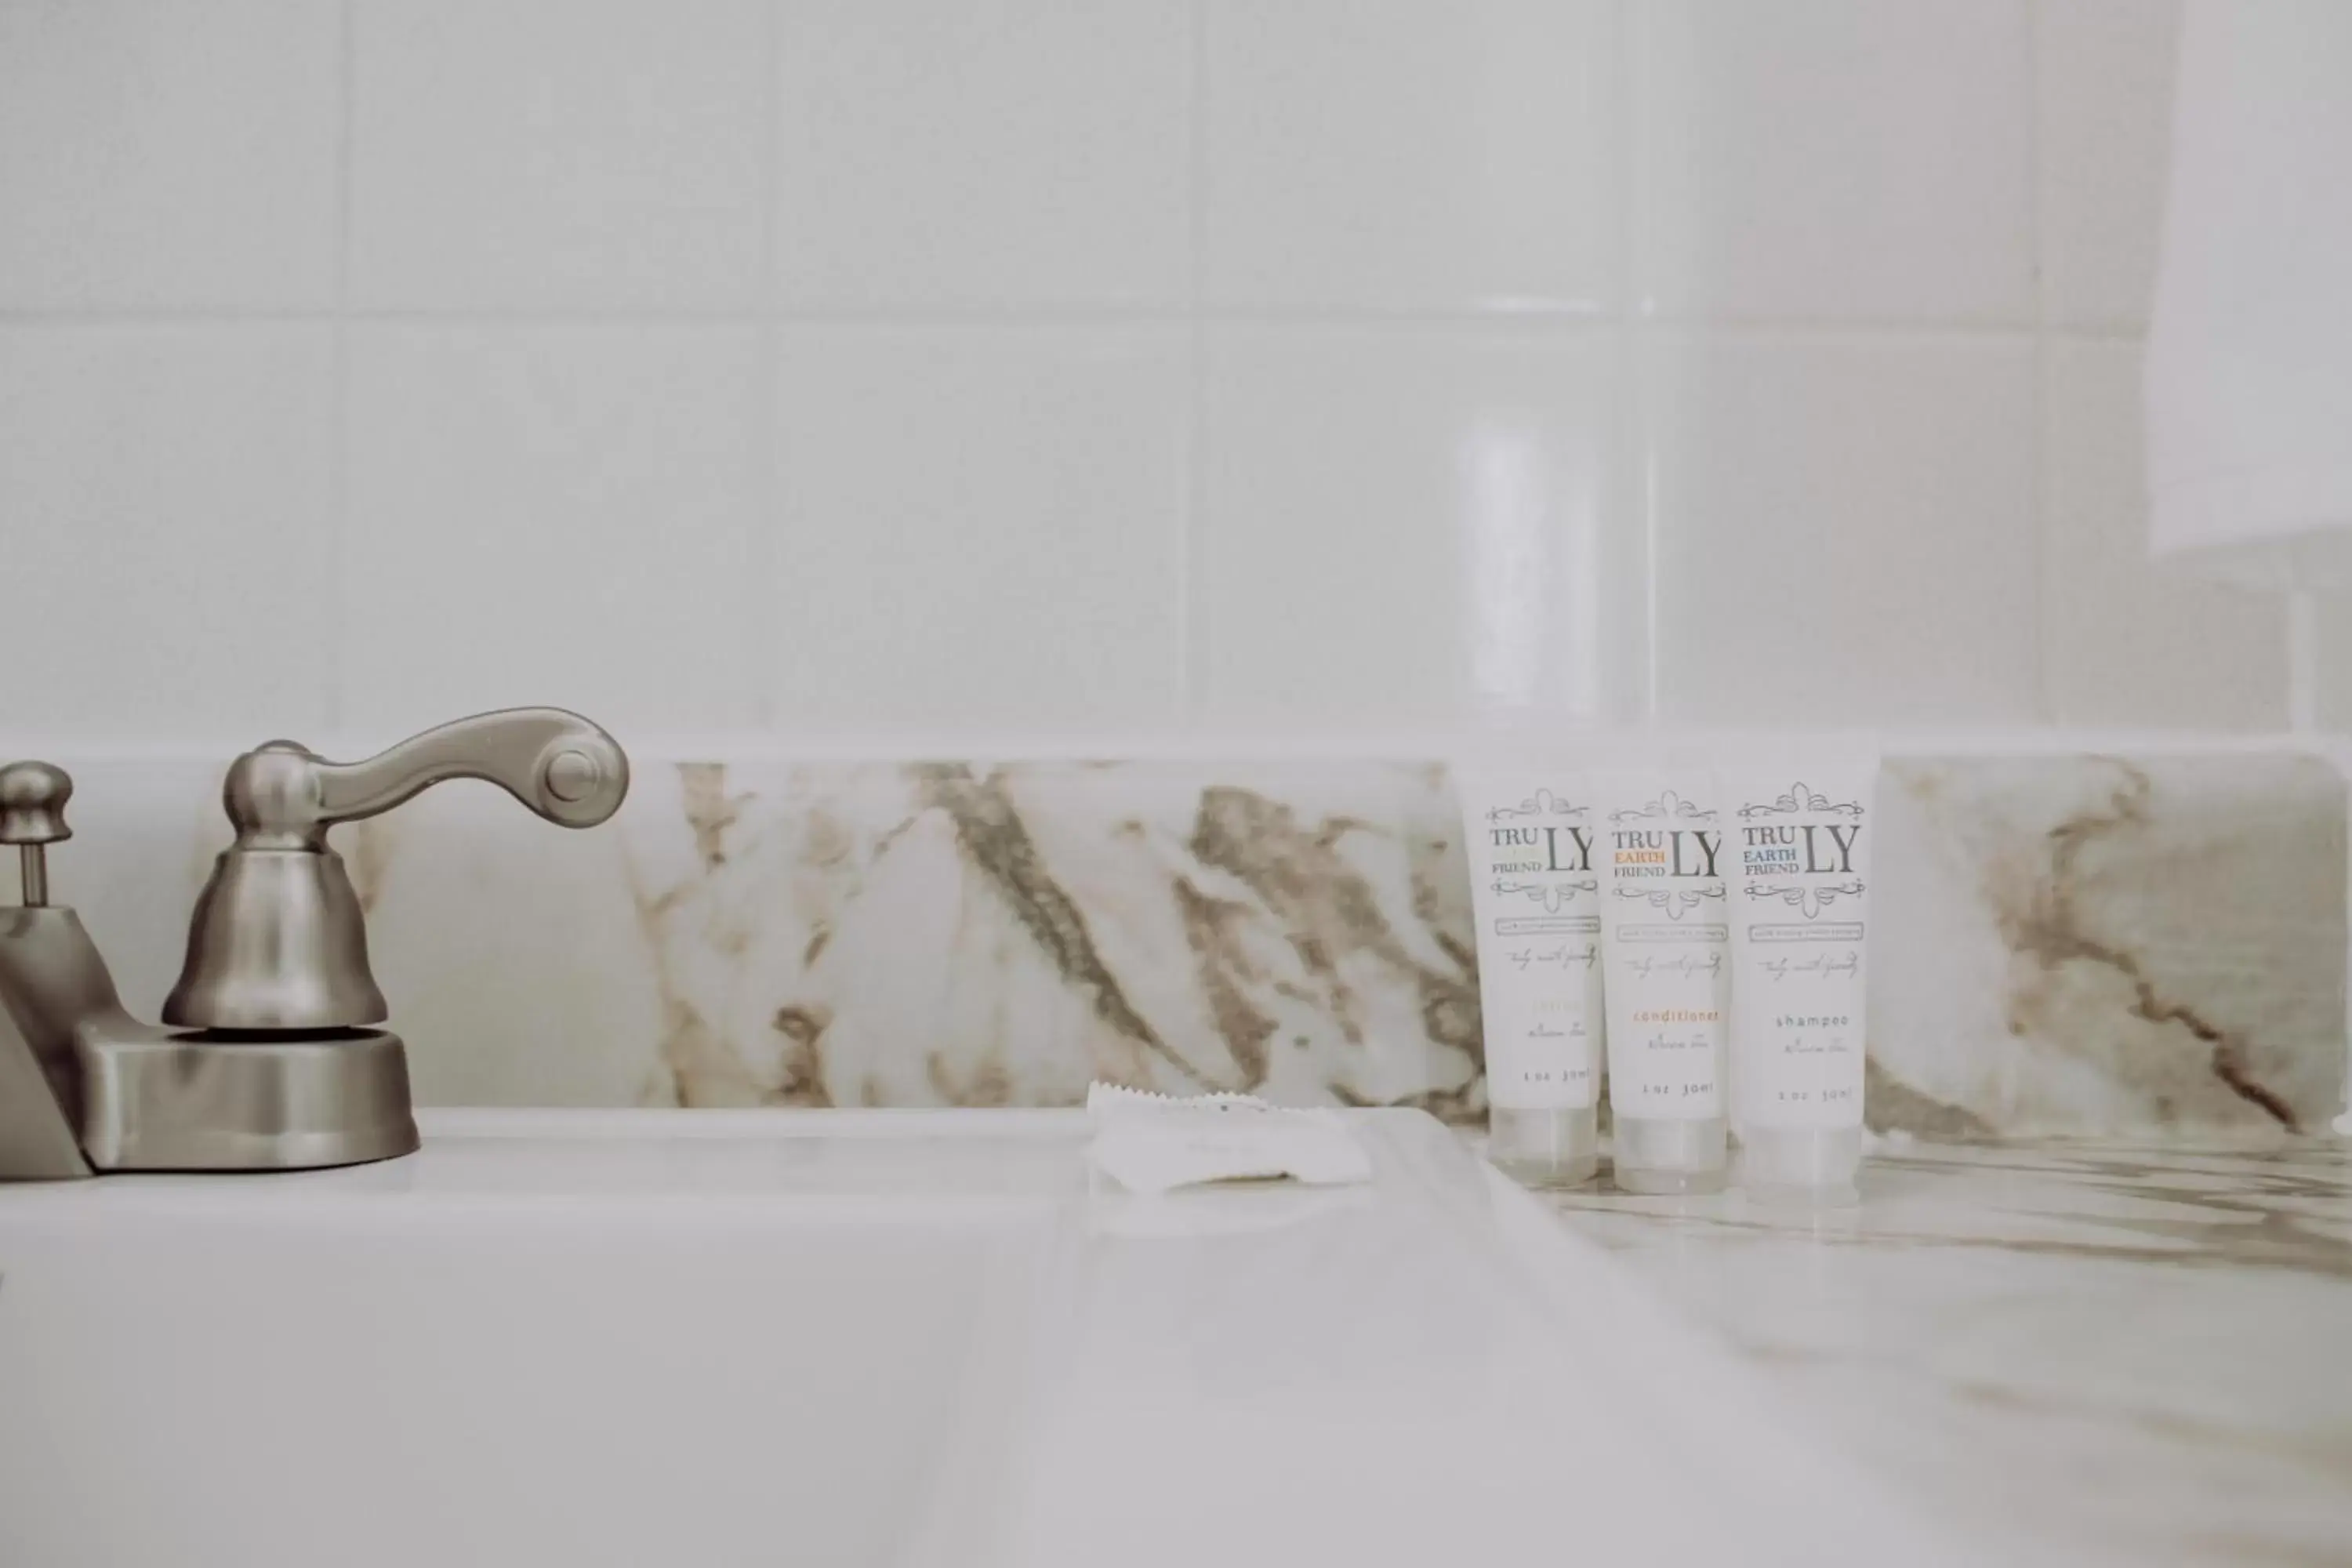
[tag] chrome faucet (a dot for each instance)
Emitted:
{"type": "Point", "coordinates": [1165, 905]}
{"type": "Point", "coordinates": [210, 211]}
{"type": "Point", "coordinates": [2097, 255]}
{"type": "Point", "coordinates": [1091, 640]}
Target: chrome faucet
{"type": "Point", "coordinates": [266, 1059]}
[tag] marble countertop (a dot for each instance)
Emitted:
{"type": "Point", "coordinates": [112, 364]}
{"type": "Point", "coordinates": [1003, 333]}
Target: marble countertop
{"type": "Point", "coordinates": [2129, 1351]}
{"type": "Point", "coordinates": [869, 1338]}
{"type": "Point", "coordinates": [915, 1337]}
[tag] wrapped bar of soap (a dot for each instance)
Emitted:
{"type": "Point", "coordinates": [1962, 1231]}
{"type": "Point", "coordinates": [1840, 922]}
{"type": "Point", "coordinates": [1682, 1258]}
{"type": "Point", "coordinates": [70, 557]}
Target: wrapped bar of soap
{"type": "Point", "coordinates": [1150, 1143]}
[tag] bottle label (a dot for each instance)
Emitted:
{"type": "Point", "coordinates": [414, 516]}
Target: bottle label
{"type": "Point", "coordinates": [1667, 935]}
{"type": "Point", "coordinates": [1800, 925]}
{"type": "Point", "coordinates": [1536, 892]}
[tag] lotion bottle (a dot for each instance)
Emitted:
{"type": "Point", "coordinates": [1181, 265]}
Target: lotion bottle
{"type": "Point", "coordinates": [1536, 894]}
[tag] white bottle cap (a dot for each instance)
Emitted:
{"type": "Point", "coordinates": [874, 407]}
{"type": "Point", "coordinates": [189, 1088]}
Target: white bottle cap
{"type": "Point", "coordinates": [1800, 1164]}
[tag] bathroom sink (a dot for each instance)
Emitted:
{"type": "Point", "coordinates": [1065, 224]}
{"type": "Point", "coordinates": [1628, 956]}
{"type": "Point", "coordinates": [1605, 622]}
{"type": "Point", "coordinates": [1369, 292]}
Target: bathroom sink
{"type": "Point", "coordinates": [860, 1338]}
{"type": "Point", "coordinates": [567, 1338]}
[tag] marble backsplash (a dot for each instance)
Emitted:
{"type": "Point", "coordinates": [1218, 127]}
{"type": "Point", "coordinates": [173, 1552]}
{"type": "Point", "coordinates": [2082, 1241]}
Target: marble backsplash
{"type": "Point", "coordinates": [2060, 944]}
{"type": "Point", "coordinates": [2101, 944]}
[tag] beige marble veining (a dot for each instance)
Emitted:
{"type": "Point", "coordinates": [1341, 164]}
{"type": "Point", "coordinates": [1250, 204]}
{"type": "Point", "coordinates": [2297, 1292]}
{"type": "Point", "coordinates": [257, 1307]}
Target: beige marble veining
{"type": "Point", "coordinates": [2123, 1351]}
{"type": "Point", "coordinates": [2101, 944]}
{"type": "Point", "coordinates": [949, 933]}
{"type": "Point", "coordinates": [2064, 944]}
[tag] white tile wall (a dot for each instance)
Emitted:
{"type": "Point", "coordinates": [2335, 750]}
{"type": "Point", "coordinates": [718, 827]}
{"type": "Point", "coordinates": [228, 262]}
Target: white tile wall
{"type": "Point", "coordinates": [1839, 160]}
{"type": "Point", "coordinates": [1844, 531]}
{"type": "Point", "coordinates": [819, 367]}
{"type": "Point", "coordinates": [979, 528]}
{"type": "Point", "coordinates": [2103, 64]}
{"type": "Point", "coordinates": [566, 514]}
{"type": "Point", "coordinates": [166, 501]}
{"type": "Point", "coordinates": [1438, 154]}
{"type": "Point", "coordinates": [939, 153]}
{"type": "Point", "coordinates": [1408, 526]}
{"type": "Point", "coordinates": [2126, 640]}
{"type": "Point", "coordinates": [557, 155]}
{"type": "Point", "coordinates": [2335, 664]}
{"type": "Point", "coordinates": [155, 156]}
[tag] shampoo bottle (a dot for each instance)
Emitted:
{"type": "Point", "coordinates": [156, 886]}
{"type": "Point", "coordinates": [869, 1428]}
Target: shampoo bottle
{"type": "Point", "coordinates": [1799, 857]}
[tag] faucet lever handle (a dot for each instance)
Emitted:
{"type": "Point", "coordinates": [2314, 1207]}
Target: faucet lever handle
{"type": "Point", "coordinates": [558, 764]}
{"type": "Point", "coordinates": [279, 940]}
{"type": "Point", "coordinates": [33, 798]}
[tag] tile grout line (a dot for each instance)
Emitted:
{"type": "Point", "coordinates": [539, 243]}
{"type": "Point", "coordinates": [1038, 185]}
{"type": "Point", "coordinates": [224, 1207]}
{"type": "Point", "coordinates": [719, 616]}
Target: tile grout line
{"type": "Point", "coordinates": [2044, 489]}
{"type": "Point", "coordinates": [1638, 487]}
{"type": "Point", "coordinates": [337, 654]}
{"type": "Point", "coordinates": [1190, 556]}
{"type": "Point", "coordinates": [1891, 330]}
{"type": "Point", "coordinates": [768, 433]}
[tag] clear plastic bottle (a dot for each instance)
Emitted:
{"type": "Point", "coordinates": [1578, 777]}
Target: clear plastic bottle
{"type": "Point", "coordinates": [1800, 1167]}
{"type": "Point", "coordinates": [1557, 1148]}
{"type": "Point", "coordinates": [1663, 1156]}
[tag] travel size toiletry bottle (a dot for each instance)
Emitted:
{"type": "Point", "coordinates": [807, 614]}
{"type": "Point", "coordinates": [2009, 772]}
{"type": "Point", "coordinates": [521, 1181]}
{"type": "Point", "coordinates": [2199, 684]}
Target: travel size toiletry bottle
{"type": "Point", "coordinates": [1667, 976]}
{"type": "Point", "coordinates": [1535, 892]}
{"type": "Point", "coordinates": [1799, 859]}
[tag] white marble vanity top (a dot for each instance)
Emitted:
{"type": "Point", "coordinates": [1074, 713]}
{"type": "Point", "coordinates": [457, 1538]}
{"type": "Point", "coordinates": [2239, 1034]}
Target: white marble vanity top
{"type": "Point", "coordinates": [2134, 1353]}
{"type": "Point", "coordinates": [929, 1338]}
{"type": "Point", "coordinates": [889, 1338]}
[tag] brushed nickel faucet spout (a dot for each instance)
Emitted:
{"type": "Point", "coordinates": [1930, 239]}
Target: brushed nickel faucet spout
{"type": "Point", "coordinates": [267, 1058]}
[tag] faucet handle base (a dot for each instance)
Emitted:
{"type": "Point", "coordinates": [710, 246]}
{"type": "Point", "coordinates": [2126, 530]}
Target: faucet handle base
{"type": "Point", "coordinates": [37, 1135]}
{"type": "Point", "coordinates": [85, 1088]}
{"type": "Point", "coordinates": [190, 1099]}
{"type": "Point", "coordinates": [51, 977]}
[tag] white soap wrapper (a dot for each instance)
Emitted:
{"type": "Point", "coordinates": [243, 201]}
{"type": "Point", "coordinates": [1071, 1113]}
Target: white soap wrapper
{"type": "Point", "coordinates": [1151, 1142]}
